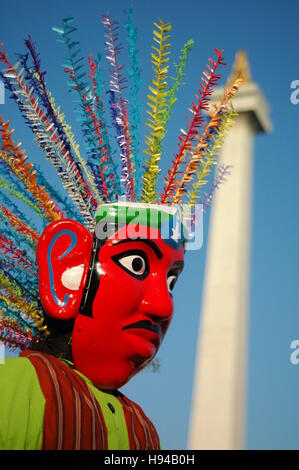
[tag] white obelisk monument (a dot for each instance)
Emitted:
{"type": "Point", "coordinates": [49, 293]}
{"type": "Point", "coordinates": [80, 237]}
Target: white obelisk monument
{"type": "Point", "coordinates": [218, 411]}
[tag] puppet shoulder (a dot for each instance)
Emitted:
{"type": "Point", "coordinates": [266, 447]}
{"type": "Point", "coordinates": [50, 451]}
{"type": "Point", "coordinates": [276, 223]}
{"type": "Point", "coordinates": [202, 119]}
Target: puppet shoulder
{"type": "Point", "coordinates": [22, 405]}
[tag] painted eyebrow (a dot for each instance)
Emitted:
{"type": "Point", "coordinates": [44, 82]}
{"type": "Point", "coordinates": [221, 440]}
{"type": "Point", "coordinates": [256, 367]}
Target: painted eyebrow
{"type": "Point", "coordinates": [178, 264]}
{"type": "Point", "coordinates": [148, 242]}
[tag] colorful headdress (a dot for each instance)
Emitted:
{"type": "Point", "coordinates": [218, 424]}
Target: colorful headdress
{"type": "Point", "coordinates": [28, 202]}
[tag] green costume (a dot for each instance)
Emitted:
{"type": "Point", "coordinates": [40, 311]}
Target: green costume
{"type": "Point", "coordinates": [46, 404]}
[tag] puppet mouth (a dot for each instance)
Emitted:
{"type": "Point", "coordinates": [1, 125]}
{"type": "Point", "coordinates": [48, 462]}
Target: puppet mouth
{"type": "Point", "coordinates": [146, 325]}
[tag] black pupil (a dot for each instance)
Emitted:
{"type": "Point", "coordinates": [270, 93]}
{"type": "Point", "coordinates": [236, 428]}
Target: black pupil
{"type": "Point", "coordinates": [137, 264]}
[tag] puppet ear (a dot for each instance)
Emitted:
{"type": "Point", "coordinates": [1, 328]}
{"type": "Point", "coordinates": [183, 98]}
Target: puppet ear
{"type": "Point", "coordinates": [63, 254]}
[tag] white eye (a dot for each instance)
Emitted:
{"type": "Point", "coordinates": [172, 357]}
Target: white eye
{"type": "Point", "coordinates": [171, 280]}
{"type": "Point", "coordinates": [135, 264]}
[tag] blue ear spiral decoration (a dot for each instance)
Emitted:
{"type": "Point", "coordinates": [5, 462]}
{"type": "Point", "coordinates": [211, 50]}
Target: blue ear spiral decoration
{"type": "Point", "coordinates": [51, 272]}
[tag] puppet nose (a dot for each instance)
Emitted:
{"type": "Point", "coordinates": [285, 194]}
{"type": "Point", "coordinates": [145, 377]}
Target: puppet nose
{"type": "Point", "coordinates": [157, 303]}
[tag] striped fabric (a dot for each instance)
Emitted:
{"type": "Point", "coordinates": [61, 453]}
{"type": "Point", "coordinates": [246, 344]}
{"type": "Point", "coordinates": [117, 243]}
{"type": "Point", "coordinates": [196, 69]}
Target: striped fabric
{"type": "Point", "coordinates": [74, 418]}
{"type": "Point", "coordinates": [142, 433]}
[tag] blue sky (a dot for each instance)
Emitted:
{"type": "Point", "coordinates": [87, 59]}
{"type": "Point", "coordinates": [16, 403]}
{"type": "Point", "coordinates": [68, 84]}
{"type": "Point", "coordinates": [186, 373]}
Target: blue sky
{"type": "Point", "coordinates": [269, 33]}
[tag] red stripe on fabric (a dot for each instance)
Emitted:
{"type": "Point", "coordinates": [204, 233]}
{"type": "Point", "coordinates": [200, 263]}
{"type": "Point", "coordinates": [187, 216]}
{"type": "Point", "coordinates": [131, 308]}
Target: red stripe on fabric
{"type": "Point", "coordinates": [145, 429]}
{"type": "Point", "coordinates": [102, 434]}
{"type": "Point", "coordinates": [48, 389]}
{"type": "Point", "coordinates": [154, 443]}
{"type": "Point", "coordinates": [129, 417]}
{"type": "Point", "coordinates": [97, 437]}
{"type": "Point", "coordinates": [155, 436]}
{"type": "Point", "coordinates": [78, 420]}
{"type": "Point", "coordinates": [68, 404]}
{"type": "Point", "coordinates": [85, 418]}
{"type": "Point", "coordinates": [142, 427]}
{"type": "Point", "coordinates": [75, 410]}
{"type": "Point", "coordinates": [73, 417]}
{"type": "Point", "coordinates": [141, 431]}
{"type": "Point", "coordinates": [94, 432]}
{"type": "Point", "coordinates": [79, 413]}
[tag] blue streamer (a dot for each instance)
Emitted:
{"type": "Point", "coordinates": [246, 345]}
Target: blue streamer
{"type": "Point", "coordinates": [39, 88]}
{"type": "Point", "coordinates": [135, 107]}
{"type": "Point", "coordinates": [6, 200]}
{"type": "Point", "coordinates": [26, 282]}
{"type": "Point", "coordinates": [104, 132]}
{"type": "Point", "coordinates": [95, 151]}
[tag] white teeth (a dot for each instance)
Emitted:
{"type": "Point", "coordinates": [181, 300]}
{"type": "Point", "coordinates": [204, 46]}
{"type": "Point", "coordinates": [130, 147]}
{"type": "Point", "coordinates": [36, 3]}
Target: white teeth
{"type": "Point", "coordinates": [71, 278]}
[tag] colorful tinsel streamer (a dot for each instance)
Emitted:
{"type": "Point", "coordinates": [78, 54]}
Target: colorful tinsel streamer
{"type": "Point", "coordinates": [26, 281]}
{"type": "Point", "coordinates": [157, 104]}
{"type": "Point", "coordinates": [18, 256]}
{"type": "Point", "coordinates": [36, 77]}
{"type": "Point", "coordinates": [70, 210]}
{"type": "Point", "coordinates": [20, 196]}
{"type": "Point", "coordinates": [12, 314]}
{"type": "Point", "coordinates": [18, 225]}
{"type": "Point", "coordinates": [95, 180]}
{"type": "Point", "coordinates": [178, 79]}
{"type": "Point", "coordinates": [221, 174]}
{"type": "Point", "coordinates": [134, 73]}
{"type": "Point", "coordinates": [16, 158]}
{"type": "Point", "coordinates": [220, 177]}
{"type": "Point", "coordinates": [12, 334]}
{"type": "Point", "coordinates": [18, 241]}
{"type": "Point", "coordinates": [14, 295]}
{"type": "Point", "coordinates": [203, 141]}
{"type": "Point", "coordinates": [112, 179]}
{"type": "Point", "coordinates": [9, 222]}
{"type": "Point", "coordinates": [8, 228]}
{"type": "Point", "coordinates": [209, 157]}
{"type": "Point", "coordinates": [7, 202]}
{"type": "Point", "coordinates": [209, 79]}
{"type": "Point", "coordinates": [12, 179]}
{"type": "Point", "coordinates": [119, 106]}
{"type": "Point", "coordinates": [14, 287]}
{"type": "Point", "coordinates": [48, 140]}
{"type": "Point", "coordinates": [86, 113]}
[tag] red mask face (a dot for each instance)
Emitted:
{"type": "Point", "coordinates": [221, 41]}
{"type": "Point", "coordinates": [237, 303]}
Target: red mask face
{"type": "Point", "coordinates": [131, 309]}
{"type": "Point", "coordinates": [119, 295]}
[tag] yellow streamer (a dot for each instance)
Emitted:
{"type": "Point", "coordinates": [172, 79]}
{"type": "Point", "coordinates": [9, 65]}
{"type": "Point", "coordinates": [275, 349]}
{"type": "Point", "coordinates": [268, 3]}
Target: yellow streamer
{"type": "Point", "coordinates": [209, 157]}
{"type": "Point", "coordinates": [198, 151]}
{"type": "Point", "coordinates": [157, 103]}
{"type": "Point", "coordinates": [14, 299]}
